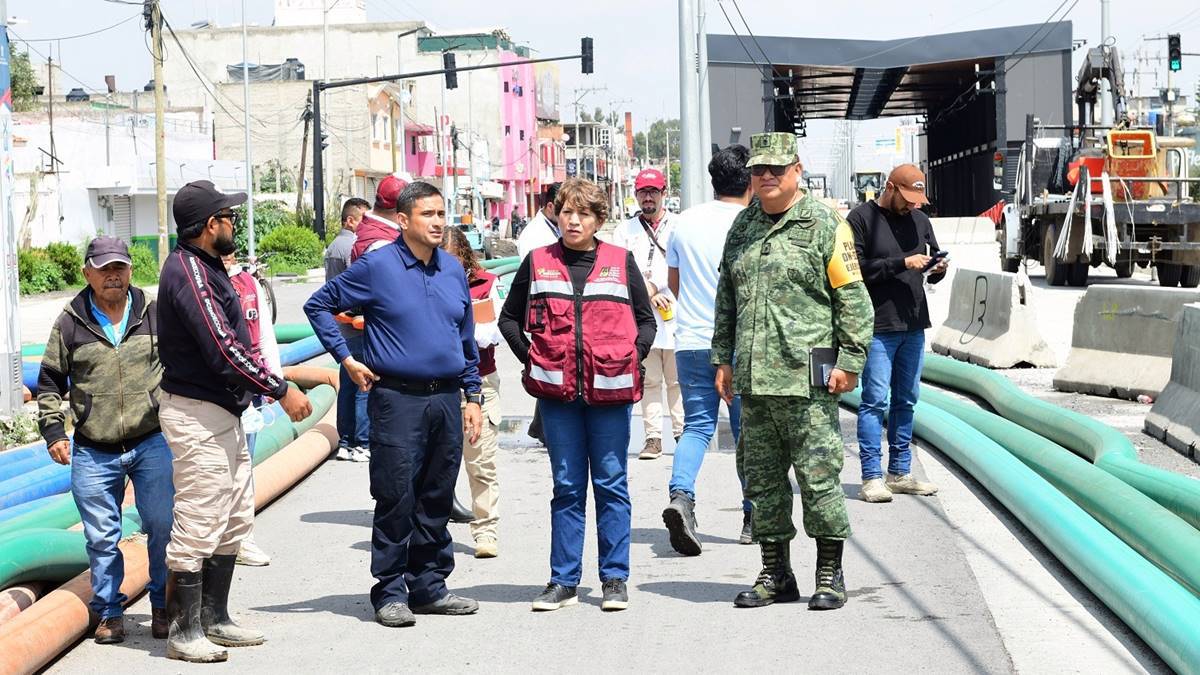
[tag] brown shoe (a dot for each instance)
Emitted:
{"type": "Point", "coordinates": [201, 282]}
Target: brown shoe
{"type": "Point", "coordinates": [160, 625]}
{"type": "Point", "coordinates": [111, 631]}
{"type": "Point", "coordinates": [652, 449]}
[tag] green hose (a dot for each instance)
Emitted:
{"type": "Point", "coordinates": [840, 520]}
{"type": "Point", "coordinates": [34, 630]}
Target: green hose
{"type": "Point", "coordinates": [286, 333]}
{"type": "Point", "coordinates": [44, 554]}
{"type": "Point", "coordinates": [1162, 537]}
{"type": "Point", "coordinates": [505, 269]}
{"type": "Point", "coordinates": [1104, 446]}
{"type": "Point", "coordinates": [59, 514]}
{"type": "Point", "coordinates": [1149, 601]}
{"type": "Point", "coordinates": [499, 262]}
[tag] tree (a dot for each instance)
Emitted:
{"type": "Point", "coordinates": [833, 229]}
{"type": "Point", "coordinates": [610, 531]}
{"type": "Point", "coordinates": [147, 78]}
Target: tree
{"type": "Point", "coordinates": [585, 116]}
{"type": "Point", "coordinates": [599, 115]}
{"type": "Point", "coordinates": [676, 171]}
{"type": "Point", "coordinates": [639, 146]}
{"type": "Point", "coordinates": [23, 82]}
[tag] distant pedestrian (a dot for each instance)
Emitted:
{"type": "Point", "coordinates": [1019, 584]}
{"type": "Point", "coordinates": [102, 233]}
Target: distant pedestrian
{"type": "Point", "coordinates": [894, 240]}
{"type": "Point", "coordinates": [578, 317]}
{"type": "Point", "coordinates": [263, 347]}
{"type": "Point", "coordinates": [479, 457]}
{"type": "Point", "coordinates": [693, 262]}
{"type": "Point", "coordinates": [419, 358]}
{"type": "Point", "coordinates": [790, 285]}
{"type": "Point", "coordinates": [210, 376]}
{"type": "Point", "coordinates": [542, 228]}
{"type": "Point", "coordinates": [353, 423]}
{"type": "Point", "coordinates": [380, 226]}
{"type": "Point", "coordinates": [647, 236]}
{"type": "Point", "coordinates": [102, 353]}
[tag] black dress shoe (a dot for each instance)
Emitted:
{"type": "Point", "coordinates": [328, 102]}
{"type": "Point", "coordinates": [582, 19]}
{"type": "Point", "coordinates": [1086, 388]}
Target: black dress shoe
{"type": "Point", "coordinates": [460, 513]}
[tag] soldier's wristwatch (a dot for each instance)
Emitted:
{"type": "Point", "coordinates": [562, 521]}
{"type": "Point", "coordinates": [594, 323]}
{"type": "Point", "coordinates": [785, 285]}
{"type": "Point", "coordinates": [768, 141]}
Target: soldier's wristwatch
{"type": "Point", "coordinates": [476, 398]}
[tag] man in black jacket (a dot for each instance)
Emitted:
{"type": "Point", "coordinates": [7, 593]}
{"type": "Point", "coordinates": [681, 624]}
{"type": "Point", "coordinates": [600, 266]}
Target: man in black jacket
{"type": "Point", "coordinates": [209, 377]}
{"type": "Point", "coordinates": [895, 243]}
{"type": "Point", "coordinates": [103, 353]}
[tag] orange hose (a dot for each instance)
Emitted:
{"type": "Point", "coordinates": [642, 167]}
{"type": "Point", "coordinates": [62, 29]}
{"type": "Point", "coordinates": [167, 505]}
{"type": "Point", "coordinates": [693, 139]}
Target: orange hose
{"type": "Point", "coordinates": [26, 395]}
{"type": "Point", "coordinates": [16, 599]}
{"type": "Point", "coordinates": [51, 625]}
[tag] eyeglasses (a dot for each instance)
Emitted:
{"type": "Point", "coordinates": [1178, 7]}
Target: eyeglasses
{"type": "Point", "coordinates": [648, 192]}
{"type": "Point", "coordinates": [232, 216]}
{"type": "Point", "coordinates": [775, 169]}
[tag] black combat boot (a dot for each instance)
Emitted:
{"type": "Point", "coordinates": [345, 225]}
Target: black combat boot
{"type": "Point", "coordinates": [460, 513]}
{"type": "Point", "coordinates": [775, 583]}
{"type": "Point", "coordinates": [831, 587]}
{"type": "Point", "coordinates": [680, 519]}
{"type": "Point", "coordinates": [185, 637]}
{"type": "Point", "coordinates": [214, 613]}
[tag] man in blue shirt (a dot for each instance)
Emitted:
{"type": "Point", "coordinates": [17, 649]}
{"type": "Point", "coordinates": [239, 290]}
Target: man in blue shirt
{"type": "Point", "coordinates": [419, 352]}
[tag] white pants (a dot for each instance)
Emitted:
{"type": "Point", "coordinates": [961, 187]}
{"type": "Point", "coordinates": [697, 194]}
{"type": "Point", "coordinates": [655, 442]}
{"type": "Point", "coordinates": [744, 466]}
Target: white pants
{"type": "Point", "coordinates": [660, 374]}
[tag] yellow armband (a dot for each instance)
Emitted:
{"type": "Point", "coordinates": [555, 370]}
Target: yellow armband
{"type": "Point", "coordinates": [843, 264]}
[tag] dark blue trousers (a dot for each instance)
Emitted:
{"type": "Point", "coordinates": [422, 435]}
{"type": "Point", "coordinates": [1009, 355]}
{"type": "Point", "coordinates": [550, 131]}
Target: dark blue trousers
{"type": "Point", "coordinates": [416, 449]}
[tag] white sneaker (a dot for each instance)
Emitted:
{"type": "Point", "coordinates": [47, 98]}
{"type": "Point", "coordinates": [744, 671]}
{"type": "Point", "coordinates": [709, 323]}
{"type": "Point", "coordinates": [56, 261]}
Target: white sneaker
{"type": "Point", "coordinates": [251, 555]}
{"type": "Point", "coordinates": [908, 485]}
{"type": "Point", "coordinates": [360, 454]}
{"type": "Point", "coordinates": [343, 454]}
{"type": "Point", "coordinates": [874, 491]}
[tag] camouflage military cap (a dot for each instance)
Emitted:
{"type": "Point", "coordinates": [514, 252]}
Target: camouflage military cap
{"type": "Point", "coordinates": [777, 149]}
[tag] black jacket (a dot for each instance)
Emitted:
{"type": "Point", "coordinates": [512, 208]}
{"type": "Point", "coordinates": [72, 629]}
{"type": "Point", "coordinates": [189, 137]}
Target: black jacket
{"type": "Point", "coordinates": [203, 338]}
{"type": "Point", "coordinates": [113, 390]}
{"type": "Point", "coordinates": [882, 240]}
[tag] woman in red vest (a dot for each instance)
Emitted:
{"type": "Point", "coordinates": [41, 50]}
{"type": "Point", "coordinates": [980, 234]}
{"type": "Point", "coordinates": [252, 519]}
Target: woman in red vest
{"type": "Point", "coordinates": [479, 457]}
{"type": "Point", "coordinates": [579, 318]}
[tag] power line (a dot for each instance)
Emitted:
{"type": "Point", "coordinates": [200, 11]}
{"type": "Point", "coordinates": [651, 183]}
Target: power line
{"type": "Point", "coordinates": [72, 37]}
{"type": "Point", "coordinates": [751, 34]}
{"type": "Point", "coordinates": [37, 51]}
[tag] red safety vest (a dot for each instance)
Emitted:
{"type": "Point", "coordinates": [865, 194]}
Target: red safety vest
{"type": "Point", "coordinates": [243, 283]}
{"type": "Point", "coordinates": [581, 343]}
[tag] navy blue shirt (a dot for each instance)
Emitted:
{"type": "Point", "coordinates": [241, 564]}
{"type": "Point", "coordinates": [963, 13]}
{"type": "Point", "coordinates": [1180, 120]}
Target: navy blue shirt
{"type": "Point", "coordinates": [419, 323]}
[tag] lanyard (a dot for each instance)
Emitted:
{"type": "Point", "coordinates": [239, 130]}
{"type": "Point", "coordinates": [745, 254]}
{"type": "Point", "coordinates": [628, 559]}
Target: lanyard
{"type": "Point", "coordinates": [653, 240]}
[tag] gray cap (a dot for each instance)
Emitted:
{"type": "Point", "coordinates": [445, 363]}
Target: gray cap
{"type": "Point", "coordinates": [105, 250]}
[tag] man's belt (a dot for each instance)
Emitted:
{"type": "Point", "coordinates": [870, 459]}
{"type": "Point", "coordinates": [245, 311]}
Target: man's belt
{"type": "Point", "coordinates": [419, 387]}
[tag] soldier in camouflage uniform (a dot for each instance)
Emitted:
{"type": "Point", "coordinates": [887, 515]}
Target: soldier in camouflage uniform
{"type": "Point", "coordinates": [790, 282]}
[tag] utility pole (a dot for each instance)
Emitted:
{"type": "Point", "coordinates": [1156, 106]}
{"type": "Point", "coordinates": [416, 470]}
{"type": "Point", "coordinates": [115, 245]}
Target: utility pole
{"type": "Point", "coordinates": [691, 186]}
{"type": "Point", "coordinates": [307, 116]}
{"type": "Point", "coordinates": [1104, 35]}
{"type": "Point", "coordinates": [702, 75]}
{"type": "Point", "coordinates": [50, 97]}
{"type": "Point", "coordinates": [246, 124]}
{"type": "Point", "coordinates": [667, 172]}
{"type": "Point", "coordinates": [160, 138]}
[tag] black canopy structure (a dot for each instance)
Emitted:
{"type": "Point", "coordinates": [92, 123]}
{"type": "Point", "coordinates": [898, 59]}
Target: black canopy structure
{"type": "Point", "coordinates": [972, 89]}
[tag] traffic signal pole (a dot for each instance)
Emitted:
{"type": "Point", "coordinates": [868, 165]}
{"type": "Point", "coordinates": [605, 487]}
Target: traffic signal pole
{"type": "Point", "coordinates": [318, 183]}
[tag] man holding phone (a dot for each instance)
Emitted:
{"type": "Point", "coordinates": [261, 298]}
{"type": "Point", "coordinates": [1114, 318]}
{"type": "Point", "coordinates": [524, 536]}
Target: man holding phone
{"type": "Point", "coordinates": [896, 249]}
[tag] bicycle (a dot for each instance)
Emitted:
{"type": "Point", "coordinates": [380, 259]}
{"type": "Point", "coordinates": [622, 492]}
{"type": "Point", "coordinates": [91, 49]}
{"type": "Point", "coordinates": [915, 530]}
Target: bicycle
{"type": "Point", "coordinates": [259, 268]}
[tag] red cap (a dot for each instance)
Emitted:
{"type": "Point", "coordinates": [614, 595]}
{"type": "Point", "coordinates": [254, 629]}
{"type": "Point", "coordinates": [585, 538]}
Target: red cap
{"type": "Point", "coordinates": [650, 178]}
{"type": "Point", "coordinates": [389, 191]}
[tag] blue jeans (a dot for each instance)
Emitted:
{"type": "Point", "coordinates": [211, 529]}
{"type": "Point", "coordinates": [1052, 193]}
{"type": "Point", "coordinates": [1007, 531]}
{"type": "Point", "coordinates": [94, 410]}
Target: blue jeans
{"type": "Point", "coordinates": [893, 365]}
{"type": "Point", "coordinates": [98, 485]}
{"type": "Point", "coordinates": [583, 439]}
{"type": "Point", "coordinates": [353, 423]}
{"type": "Point", "coordinates": [700, 407]}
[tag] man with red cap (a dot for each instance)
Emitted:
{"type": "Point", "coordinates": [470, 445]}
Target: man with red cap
{"type": "Point", "coordinates": [379, 227]}
{"type": "Point", "coordinates": [647, 235]}
{"type": "Point", "coordinates": [895, 243]}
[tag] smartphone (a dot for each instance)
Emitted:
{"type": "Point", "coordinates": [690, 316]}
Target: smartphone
{"type": "Point", "coordinates": [934, 260]}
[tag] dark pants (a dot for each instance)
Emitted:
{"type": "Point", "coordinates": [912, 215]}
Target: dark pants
{"type": "Point", "coordinates": [416, 449]}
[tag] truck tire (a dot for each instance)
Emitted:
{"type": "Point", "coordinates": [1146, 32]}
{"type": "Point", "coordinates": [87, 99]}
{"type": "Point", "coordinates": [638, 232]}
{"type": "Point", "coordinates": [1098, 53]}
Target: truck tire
{"type": "Point", "coordinates": [1077, 274]}
{"type": "Point", "coordinates": [1190, 277]}
{"type": "Point", "coordinates": [1056, 271]}
{"type": "Point", "coordinates": [1007, 264]}
{"type": "Point", "coordinates": [1168, 274]}
{"type": "Point", "coordinates": [1124, 268]}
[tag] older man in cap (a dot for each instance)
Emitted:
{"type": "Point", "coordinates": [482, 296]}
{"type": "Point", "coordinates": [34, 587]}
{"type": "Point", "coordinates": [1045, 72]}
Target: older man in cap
{"type": "Point", "coordinates": [102, 353]}
{"type": "Point", "coordinates": [791, 303]}
{"type": "Point", "coordinates": [210, 375]}
{"type": "Point", "coordinates": [894, 242]}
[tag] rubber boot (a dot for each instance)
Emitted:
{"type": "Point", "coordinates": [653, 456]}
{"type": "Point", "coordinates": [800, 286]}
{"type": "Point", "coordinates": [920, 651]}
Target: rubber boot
{"type": "Point", "coordinates": [460, 513]}
{"type": "Point", "coordinates": [775, 582]}
{"type": "Point", "coordinates": [185, 636]}
{"type": "Point", "coordinates": [214, 612]}
{"type": "Point", "coordinates": [830, 592]}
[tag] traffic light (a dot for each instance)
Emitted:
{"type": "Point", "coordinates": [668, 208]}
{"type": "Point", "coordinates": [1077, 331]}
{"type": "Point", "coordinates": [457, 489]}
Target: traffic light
{"type": "Point", "coordinates": [1174, 53]}
{"type": "Point", "coordinates": [324, 140]}
{"type": "Point", "coordinates": [451, 70]}
{"type": "Point", "coordinates": [586, 51]}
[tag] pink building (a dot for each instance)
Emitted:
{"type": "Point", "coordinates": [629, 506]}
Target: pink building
{"type": "Point", "coordinates": [521, 166]}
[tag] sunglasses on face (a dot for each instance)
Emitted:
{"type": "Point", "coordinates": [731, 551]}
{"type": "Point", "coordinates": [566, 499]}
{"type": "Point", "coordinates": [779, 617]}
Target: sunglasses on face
{"type": "Point", "coordinates": [775, 169]}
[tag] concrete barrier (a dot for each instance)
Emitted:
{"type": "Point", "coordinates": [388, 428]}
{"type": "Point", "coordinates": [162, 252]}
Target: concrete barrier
{"type": "Point", "coordinates": [1123, 339]}
{"type": "Point", "coordinates": [969, 230]}
{"type": "Point", "coordinates": [992, 323]}
{"type": "Point", "coordinates": [1175, 417]}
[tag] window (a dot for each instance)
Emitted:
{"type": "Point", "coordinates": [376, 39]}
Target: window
{"type": "Point", "coordinates": [507, 130]}
{"type": "Point", "coordinates": [522, 134]}
{"type": "Point", "coordinates": [506, 86]}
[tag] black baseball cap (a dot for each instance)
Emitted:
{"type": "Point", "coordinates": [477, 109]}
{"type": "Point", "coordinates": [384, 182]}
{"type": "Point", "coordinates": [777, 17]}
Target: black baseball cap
{"type": "Point", "coordinates": [200, 199]}
{"type": "Point", "coordinates": [104, 250]}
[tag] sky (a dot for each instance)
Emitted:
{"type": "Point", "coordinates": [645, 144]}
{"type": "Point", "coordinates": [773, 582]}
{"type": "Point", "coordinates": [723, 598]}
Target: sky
{"type": "Point", "coordinates": [636, 46]}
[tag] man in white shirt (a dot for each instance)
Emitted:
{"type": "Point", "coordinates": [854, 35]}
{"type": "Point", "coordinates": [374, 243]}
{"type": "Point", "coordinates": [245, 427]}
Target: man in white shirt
{"type": "Point", "coordinates": [647, 236]}
{"type": "Point", "coordinates": [542, 229]}
{"type": "Point", "coordinates": [693, 261]}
